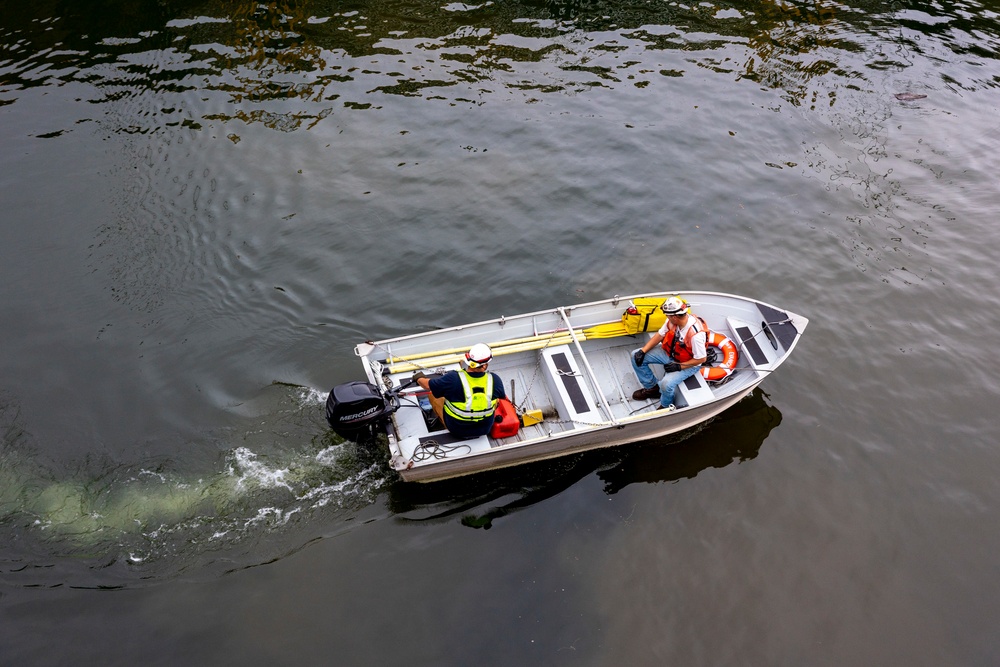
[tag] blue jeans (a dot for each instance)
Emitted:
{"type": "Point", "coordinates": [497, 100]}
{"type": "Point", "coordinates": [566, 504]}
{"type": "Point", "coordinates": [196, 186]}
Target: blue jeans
{"type": "Point", "coordinates": [668, 382]}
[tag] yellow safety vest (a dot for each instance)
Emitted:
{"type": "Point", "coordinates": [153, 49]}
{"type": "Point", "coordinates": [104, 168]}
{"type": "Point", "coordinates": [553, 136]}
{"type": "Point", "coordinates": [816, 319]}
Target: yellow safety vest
{"type": "Point", "coordinates": [479, 403]}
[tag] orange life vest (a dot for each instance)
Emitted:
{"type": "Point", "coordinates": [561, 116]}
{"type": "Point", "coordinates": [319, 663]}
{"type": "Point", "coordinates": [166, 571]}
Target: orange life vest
{"type": "Point", "coordinates": [680, 350]}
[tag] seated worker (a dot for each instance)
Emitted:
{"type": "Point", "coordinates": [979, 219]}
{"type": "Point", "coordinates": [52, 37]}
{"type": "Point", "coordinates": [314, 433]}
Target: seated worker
{"type": "Point", "coordinates": [466, 400]}
{"type": "Point", "coordinates": [679, 345]}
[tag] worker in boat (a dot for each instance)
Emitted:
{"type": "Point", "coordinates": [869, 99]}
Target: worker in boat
{"type": "Point", "coordinates": [465, 401]}
{"type": "Point", "coordinates": [679, 345]}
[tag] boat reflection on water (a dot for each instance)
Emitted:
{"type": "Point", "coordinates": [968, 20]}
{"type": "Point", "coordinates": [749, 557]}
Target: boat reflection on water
{"type": "Point", "coordinates": [734, 436]}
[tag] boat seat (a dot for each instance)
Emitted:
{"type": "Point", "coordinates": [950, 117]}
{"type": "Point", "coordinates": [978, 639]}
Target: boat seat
{"type": "Point", "coordinates": [755, 348]}
{"type": "Point", "coordinates": [693, 391]}
{"type": "Point", "coordinates": [572, 398]}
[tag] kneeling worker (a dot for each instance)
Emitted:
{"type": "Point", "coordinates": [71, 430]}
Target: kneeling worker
{"type": "Point", "coordinates": [466, 400]}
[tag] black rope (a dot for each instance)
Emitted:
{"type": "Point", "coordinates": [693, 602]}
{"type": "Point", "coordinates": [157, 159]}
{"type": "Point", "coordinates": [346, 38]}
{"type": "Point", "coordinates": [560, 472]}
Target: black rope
{"type": "Point", "coordinates": [432, 449]}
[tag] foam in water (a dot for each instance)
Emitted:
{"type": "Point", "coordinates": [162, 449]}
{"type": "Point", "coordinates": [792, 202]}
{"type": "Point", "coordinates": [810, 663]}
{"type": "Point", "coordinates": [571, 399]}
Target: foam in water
{"type": "Point", "coordinates": [147, 514]}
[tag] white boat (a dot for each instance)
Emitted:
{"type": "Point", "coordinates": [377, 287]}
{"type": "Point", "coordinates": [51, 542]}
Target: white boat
{"type": "Point", "coordinates": [568, 373]}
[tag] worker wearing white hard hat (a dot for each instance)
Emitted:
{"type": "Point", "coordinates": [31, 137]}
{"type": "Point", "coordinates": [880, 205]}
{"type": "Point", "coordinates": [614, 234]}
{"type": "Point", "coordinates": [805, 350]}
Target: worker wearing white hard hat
{"type": "Point", "coordinates": [679, 346]}
{"type": "Point", "coordinates": [465, 400]}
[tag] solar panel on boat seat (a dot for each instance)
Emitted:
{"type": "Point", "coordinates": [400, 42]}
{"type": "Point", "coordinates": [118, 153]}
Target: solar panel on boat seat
{"type": "Point", "coordinates": [571, 382]}
{"type": "Point", "coordinates": [750, 343]}
{"type": "Point", "coordinates": [777, 321]}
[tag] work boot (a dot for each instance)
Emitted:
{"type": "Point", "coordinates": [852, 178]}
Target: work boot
{"type": "Point", "coordinates": [642, 393]}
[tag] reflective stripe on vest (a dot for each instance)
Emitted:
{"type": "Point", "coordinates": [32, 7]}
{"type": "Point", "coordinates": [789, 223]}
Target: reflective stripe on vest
{"type": "Point", "coordinates": [479, 403]}
{"type": "Point", "coordinates": [681, 351]}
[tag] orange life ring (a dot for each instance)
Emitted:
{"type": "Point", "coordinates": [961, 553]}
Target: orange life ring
{"type": "Point", "coordinates": [725, 366]}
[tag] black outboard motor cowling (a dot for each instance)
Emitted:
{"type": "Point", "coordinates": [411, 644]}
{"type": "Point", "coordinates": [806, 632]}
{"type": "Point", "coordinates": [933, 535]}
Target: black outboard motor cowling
{"type": "Point", "coordinates": [357, 411]}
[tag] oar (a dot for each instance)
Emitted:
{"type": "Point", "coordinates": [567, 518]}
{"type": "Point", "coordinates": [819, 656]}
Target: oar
{"type": "Point", "coordinates": [443, 360]}
{"type": "Point", "coordinates": [608, 330]}
{"type": "Point", "coordinates": [494, 346]}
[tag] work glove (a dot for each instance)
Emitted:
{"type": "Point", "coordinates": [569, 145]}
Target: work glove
{"type": "Point", "coordinates": [639, 356]}
{"type": "Point", "coordinates": [419, 375]}
{"type": "Point", "coordinates": [672, 367]}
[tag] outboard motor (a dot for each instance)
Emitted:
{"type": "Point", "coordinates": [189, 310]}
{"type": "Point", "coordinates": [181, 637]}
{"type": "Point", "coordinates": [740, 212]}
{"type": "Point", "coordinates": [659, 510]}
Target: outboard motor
{"type": "Point", "coordinates": [357, 411]}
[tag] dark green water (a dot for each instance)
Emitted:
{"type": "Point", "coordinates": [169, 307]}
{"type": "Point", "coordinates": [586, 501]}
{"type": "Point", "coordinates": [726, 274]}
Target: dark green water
{"type": "Point", "coordinates": [205, 206]}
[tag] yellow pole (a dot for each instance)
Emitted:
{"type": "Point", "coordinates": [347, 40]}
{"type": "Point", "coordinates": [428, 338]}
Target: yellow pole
{"type": "Point", "coordinates": [609, 330]}
{"type": "Point", "coordinates": [442, 360]}
{"type": "Point", "coordinates": [494, 346]}
{"type": "Point", "coordinates": [510, 346]}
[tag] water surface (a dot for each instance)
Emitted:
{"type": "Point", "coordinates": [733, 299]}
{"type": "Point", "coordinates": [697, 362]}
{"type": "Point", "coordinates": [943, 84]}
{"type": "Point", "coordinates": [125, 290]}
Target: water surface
{"type": "Point", "coordinates": [205, 206]}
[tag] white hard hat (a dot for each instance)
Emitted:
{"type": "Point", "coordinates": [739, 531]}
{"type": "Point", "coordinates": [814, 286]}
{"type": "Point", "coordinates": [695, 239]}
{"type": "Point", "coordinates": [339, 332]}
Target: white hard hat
{"type": "Point", "coordinates": [478, 355]}
{"type": "Point", "coordinates": [675, 306]}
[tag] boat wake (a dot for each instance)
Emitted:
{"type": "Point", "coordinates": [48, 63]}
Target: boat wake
{"type": "Point", "coordinates": [149, 521]}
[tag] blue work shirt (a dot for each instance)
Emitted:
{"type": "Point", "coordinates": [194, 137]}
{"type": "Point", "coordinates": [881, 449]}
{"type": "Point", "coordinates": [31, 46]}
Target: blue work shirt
{"type": "Point", "coordinates": [449, 387]}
